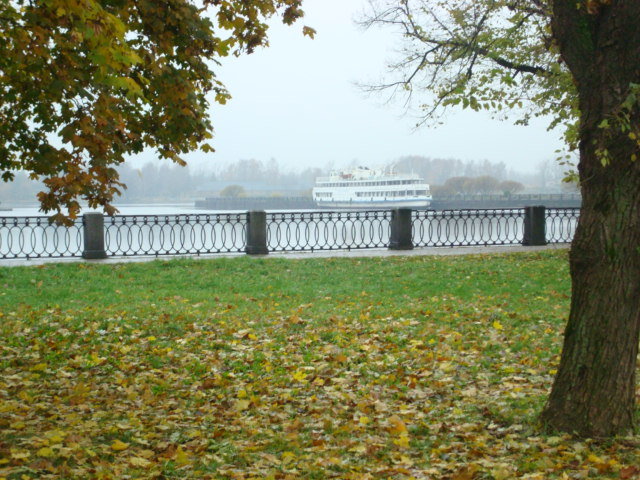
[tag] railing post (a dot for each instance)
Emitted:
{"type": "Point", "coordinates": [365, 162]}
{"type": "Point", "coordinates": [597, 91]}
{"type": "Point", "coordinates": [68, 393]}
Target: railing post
{"type": "Point", "coordinates": [401, 230]}
{"type": "Point", "coordinates": [257, 233]}
{"type": "Point", "coordinates": [93, 232]}
{"type": "Point", "coordinates": [535, 231]}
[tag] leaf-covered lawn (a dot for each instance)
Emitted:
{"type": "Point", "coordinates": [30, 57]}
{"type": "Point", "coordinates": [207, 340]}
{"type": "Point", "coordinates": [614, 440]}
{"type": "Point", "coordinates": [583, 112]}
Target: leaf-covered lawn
{"type": "Point", "coordinates": [415, 367]}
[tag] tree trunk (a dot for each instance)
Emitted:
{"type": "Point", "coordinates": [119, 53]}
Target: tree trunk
{"type": "Point", "coordinates": [594, 391]}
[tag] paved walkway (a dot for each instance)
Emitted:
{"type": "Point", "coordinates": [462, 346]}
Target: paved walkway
{"type": "Point", "coordinates": [374, 252]}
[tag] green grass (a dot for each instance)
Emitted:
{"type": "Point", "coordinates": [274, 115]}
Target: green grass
{"type": "Point", "coordinates": [389, 367]}
{"type": "Point", "coordinates": [220, 280]}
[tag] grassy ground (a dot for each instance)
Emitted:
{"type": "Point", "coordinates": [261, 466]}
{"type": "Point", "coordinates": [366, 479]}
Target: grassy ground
{"type": "Point", "coordinates": [396, 367]}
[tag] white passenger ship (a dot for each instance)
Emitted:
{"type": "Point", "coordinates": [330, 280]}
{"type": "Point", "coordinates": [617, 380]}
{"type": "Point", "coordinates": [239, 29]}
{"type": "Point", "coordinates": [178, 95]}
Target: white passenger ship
{"type": "Point", "coordinates": [363, 187]}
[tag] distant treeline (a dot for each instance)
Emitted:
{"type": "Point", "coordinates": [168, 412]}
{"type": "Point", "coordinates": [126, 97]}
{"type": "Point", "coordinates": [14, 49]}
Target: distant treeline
{"type": "Point", "coordinates": [436, 171]}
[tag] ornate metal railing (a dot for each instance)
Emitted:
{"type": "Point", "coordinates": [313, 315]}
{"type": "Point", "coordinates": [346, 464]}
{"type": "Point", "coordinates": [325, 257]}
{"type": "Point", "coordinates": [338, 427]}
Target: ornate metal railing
{"type": "Point", "coordinates": [561, 224]}
{"type": "Point", "coordinates": [328, 230]}
{"type": "Point", "coordinates": [450, 228]}
{"type": "Point", "coordinates": [35, 237]}
{"type": "Point", "coordinates": [95, 236]}
{"type": "Point", "coordinates": [175, 234]}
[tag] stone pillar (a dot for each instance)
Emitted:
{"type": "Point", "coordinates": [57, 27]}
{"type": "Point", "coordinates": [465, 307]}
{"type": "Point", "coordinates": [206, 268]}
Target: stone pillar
{"type": "Point", "coordinates": [535, 226]}
{"type": "Point", "coordinates": [93, 230]}
{"type": "Point", "coordinates": [401, 230]}
{"type": "Point", "coordinates": [257, 233]}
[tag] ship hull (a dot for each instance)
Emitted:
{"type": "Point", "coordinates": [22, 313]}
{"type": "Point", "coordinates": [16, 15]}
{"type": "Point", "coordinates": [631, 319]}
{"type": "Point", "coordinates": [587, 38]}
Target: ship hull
{"type": "Point", "coordinates": [409, 203]}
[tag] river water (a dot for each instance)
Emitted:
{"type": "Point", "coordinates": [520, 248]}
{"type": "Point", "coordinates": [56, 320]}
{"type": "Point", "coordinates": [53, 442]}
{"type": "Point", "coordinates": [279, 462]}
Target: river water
{"type": "Point", "coordinates": [126, 209]}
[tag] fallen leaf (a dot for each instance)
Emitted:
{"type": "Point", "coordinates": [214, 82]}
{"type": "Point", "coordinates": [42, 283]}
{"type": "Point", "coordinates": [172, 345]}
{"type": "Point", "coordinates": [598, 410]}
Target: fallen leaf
{"type": "Point", "coordinates": [139, 462]}
{"type": "Point", "coordinates": [396, 425]}
{"type": "Point", "coordinates": [118, 446]}
{"type": "Point", "coordinates": [630, 473]}
{"type": "Point", "coordinates": [46, 452]}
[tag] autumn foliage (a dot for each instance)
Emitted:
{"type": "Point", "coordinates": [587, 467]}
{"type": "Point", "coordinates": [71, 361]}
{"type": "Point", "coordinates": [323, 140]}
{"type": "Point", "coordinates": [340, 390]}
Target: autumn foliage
{"type": "Point", "coordinates": [84, 84]}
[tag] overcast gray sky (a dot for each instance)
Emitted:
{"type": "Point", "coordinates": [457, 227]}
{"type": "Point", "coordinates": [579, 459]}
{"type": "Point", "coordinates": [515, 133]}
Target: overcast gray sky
{"type": "Point", "coordinates": [297, 102]}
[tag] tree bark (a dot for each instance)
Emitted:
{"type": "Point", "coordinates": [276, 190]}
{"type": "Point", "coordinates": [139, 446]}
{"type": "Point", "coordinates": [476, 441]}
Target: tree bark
{"type": "Point", "coordinates": [593, 394]}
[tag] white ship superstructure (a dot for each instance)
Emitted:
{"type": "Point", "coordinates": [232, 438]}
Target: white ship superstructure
{"type": "Point", "coordinates": [363, 187]}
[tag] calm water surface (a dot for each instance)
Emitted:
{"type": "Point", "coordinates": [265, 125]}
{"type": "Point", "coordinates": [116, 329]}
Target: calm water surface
{"type": "Point", "coordinates": [125, 209]}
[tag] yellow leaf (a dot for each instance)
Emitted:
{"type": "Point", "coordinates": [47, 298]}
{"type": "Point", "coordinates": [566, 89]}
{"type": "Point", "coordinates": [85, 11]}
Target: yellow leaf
{"type": "Point", "coordinates": [397, 426]}
{"type": "Point", "coordinates": [318, 381]}
{"type": "Point", "coordinates": [241, 405]}
{"type": "Point", "coordinates": [139, 462]}
{"type": "Point", "coordinates": [118, 446]}
{"type": "Point", "coordinates": [501, 472]}
{"type": "Point", "coordinates": [55, 436]}
{"type": "Point", "coordinates": [364, 420]}
{"type": "Point", "coordinates": [299, 376]}
{"type": "Point", "coordinates": [46, 452]}
{"type": "Point", "coordinates": [594, 458]}
{"type": "Point", "coordinates": [402, 441]}
{"type": "Point", "coordinates": [181, 457]}
{"type": "Point", "coordinates": [406, 460]}
{"type": "Point", "coordinates": [19, 425]}
{"type": "Point", "coordinates": [146, 453]}
{"type": "Point", "coordinates": [497, 325]}
{"type": "Point", "coordinates": [20, 455]}
{"type": "Point", "coordinates": [447, 367]}
{"type": "Point", "coordinates": [288, 457]}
